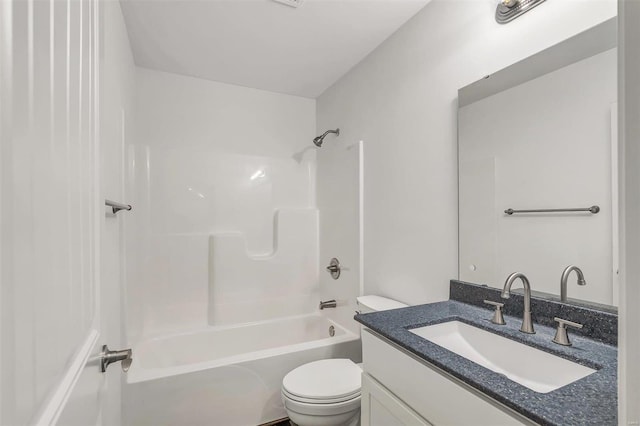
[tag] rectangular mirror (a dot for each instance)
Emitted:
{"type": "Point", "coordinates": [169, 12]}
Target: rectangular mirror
{"type": "Point", "coordinates": [542, 134]}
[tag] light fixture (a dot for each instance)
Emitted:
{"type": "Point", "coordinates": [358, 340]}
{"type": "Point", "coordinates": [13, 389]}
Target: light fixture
{"type": "Point", "coordinates": [508, 10]}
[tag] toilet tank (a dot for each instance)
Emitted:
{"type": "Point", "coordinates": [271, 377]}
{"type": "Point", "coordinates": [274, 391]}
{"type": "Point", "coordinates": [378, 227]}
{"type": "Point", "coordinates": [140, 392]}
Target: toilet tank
{"type": "Point", "coordinates": [373, 303]}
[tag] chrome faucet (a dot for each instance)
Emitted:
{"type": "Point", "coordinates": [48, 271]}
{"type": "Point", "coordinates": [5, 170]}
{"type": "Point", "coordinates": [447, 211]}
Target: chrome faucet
{"type": "Point", "coordinates": [328, 304]}
{"type": "Point", "coordinates": [565, 278]}
{"type": "Point", "coordinates": [527, 325]}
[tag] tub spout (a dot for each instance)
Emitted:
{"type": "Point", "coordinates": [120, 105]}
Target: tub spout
{"type": "Point", "coordinates": [328, 304]}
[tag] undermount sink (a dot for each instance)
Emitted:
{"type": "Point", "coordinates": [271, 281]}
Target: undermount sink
{"type": "Point", "coordinates": [535, 369]}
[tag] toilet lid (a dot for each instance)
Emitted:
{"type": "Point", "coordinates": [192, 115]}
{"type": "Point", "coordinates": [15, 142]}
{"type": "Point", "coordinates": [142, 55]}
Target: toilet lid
{"type": "Point", "coordinates": [327, 379]}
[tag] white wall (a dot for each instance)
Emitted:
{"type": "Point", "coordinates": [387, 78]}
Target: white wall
{"type": "Point", "coordinates": [543, 144]}
{"type": "Point", "coordinates": [401, 100]}
{"type": "Point", "coordinates": [215, 159]}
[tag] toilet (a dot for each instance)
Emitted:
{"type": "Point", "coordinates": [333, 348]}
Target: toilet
{"type": "Point", "coordinates": [327, 392]}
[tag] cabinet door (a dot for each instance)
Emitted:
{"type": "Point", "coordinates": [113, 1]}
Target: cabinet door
{"type": "Point", "coordinates": [381, 408]}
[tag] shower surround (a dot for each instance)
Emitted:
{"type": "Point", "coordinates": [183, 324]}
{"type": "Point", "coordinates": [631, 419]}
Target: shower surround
{"type": "Point", "coordinates": [225, 226]}
{"type": "Point", "coordinates": [222, 249]}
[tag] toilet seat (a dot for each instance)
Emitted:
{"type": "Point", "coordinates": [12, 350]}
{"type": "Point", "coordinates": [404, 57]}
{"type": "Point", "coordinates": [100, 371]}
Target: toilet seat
{"type": "Point", "coordinates": [328, 381]}
{"type": "Point", "coordinates": [297, 398]}
{"type": "Point", "coordinates": [316, 409]}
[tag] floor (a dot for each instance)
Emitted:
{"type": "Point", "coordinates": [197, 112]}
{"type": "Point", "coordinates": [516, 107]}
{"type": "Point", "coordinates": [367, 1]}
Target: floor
{"type": "Point", "coordinates": [281, 422]}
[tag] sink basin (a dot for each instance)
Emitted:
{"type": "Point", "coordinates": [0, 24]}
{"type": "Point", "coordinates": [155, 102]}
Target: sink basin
{"type": "Point", "coordinates": [537, 370]}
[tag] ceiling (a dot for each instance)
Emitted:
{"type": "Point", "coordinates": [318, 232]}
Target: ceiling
{"type": "Point", "coordinates": [262, 43]}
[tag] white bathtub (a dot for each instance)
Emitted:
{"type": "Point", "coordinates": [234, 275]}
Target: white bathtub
{"type": "Point", "coordinates": [226, 375]}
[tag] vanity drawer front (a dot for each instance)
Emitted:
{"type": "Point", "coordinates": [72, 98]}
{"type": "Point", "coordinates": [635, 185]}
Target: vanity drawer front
{"type": "Point", "coordinates": [434, 396]}
{"type": "Point", "coordinates": [382, 408]}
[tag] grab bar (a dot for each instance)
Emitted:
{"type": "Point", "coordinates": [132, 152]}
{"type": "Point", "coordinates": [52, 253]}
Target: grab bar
{"type": "Point", "coordinates": [116, 207]}
{"type": "Point", "coordinates": [592, 209]}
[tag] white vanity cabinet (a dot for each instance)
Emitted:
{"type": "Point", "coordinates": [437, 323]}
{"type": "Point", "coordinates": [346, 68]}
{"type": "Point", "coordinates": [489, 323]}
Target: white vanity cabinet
{"type": "Point", "coordinates": [400, 389]}
{"type": "Point", "coordinates": [379, 407]}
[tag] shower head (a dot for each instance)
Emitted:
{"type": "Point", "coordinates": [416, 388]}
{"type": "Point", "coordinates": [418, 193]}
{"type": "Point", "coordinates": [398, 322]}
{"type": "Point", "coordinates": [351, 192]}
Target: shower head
{"type": "Point", "coordinates": [319, 139]}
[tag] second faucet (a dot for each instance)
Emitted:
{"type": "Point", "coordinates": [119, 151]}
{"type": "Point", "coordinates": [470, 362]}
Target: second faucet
{"type": "Point", "coordinates": [565, 278]}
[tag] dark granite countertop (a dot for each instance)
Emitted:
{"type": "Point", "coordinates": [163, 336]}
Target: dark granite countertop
{"type": "Point", "coordinates": [591, 400]}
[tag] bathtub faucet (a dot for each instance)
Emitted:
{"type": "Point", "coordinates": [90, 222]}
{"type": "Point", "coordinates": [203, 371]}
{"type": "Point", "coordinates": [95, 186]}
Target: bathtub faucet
{"type": "Point", "coordinates": [328, 304]}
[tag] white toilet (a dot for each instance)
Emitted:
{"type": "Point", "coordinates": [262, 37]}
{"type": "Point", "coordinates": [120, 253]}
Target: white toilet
{"type": "Point", "coordinates": [327, 392]}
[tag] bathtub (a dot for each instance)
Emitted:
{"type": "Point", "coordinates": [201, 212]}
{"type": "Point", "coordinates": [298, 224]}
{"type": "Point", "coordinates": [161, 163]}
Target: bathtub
{"type": "Point", "coordinates": [227, 375]}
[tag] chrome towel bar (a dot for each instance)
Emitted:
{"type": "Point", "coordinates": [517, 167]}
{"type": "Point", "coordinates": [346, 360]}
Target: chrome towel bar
{"type": "Point", "coordinates": [116, 207]}
{"type": "Point", "coordinates": [592, 209]}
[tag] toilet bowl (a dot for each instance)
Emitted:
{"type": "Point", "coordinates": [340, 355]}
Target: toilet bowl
{"type": "Point", "coordinates": [323, 393]}
{"type": "Point", "coordinates": [327, 392]}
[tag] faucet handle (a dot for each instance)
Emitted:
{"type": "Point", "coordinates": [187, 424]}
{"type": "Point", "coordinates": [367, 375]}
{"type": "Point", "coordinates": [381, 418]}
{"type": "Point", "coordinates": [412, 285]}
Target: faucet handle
{"type": "Point", "coordinates": [561, 337]}
{"type": "Point", "coordinates": [497, 314]}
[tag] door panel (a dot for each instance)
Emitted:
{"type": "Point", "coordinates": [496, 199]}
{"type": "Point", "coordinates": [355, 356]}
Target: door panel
{"type": "Point", "coordinates": [50, 207]}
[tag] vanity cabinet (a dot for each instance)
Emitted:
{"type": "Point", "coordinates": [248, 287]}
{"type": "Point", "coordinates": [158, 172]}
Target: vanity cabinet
{"type": "Point", "coordinates": [399, 388]}
{"type": "Point", "coordinates": [379, 407]}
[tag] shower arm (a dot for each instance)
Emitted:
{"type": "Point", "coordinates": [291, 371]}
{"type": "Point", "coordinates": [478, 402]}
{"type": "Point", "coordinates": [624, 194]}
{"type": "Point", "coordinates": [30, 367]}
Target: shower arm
{"type": "Point", "coordinates": [337, 132]}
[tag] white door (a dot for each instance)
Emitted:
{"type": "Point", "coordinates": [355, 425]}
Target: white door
{"type": "Point", "coordinates": [51, 212]}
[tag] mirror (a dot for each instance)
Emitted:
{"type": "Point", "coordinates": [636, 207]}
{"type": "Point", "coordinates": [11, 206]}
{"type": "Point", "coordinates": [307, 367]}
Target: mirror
{"type": "Point", "coordinates": [541, 134]}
